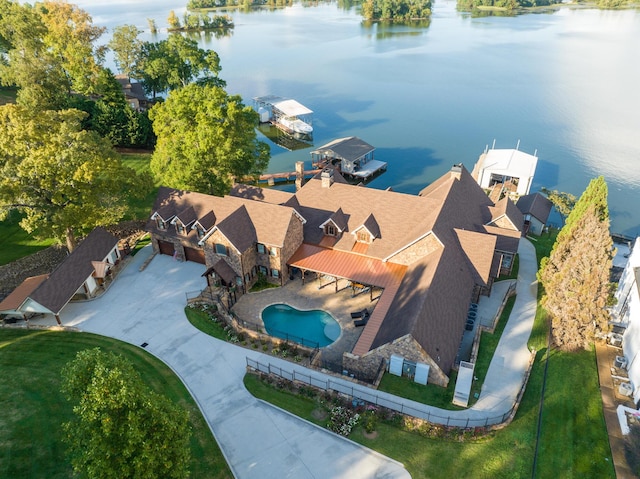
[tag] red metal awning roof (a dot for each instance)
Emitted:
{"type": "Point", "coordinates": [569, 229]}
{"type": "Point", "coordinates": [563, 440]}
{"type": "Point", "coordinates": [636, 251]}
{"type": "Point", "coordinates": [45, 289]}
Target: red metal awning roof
{"type": "Point", "coordinates": [342, 264]}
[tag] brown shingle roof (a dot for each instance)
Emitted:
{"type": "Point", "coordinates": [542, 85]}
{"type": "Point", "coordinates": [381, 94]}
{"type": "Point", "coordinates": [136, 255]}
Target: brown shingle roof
{"type": "Point", "coordinates": [67, 278]}
{"type": "Point", "coordinates": [350, 148]}
{"type": "Point", "coordinates": [270, 222]}
{"type": "Point", "coordinates": [239, 229]}
{"type": "Point", "coordinates": [22, 292]}
{"type": "Point", "coordinates": [268, 195]}
{"type": "Point", "coordinates": [536, 205]}
{"type": "Point", "coordinates": [478, 249]}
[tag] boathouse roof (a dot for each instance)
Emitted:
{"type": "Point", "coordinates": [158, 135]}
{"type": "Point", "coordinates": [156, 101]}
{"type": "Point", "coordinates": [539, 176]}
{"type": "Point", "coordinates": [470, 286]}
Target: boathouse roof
{"type": "Point", "coordinates": [350, 148]}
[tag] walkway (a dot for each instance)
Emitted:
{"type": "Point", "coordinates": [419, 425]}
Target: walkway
{"type": "Point", "coordinates": [258, 440]}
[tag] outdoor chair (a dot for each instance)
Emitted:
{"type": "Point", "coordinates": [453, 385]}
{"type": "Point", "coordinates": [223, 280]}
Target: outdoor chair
{"type": "Point", "coordinates": [359, 314]}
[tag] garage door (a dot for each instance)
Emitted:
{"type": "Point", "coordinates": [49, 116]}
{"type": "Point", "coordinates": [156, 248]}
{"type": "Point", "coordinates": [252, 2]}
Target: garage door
{"type": "Point", "coordinates": [165, 247]}
{"type": "Point", "coordinates": [193, 254]}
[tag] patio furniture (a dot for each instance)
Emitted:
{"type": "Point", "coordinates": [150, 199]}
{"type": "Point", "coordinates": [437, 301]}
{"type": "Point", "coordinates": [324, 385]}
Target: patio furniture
{"type": "Point", "coordinates": [360, 314]}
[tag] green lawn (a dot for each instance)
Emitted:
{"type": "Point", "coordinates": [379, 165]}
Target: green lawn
{"type": "Point", "coordinates": [15, 242]}
{"type": "Point", "coordinates": [430, 394]}
{"type": "Point", "coordinates": [32, 407]}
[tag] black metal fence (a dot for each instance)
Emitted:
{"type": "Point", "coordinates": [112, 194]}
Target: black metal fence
{"type": "Point", "coordinates": [374, 397]}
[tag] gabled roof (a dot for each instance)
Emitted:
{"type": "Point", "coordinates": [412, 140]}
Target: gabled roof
{"type": "Point", "coordinates": [22, 292]}
{"type": "Point", "coordinates": [350, 148]}
{"type": "Point", "coordinates": [339, 219]}
{"type": "Point", "coordinates": [270, 222]}
{"type": "Point", "coordinates": [505, 208]}
{"type": "Point", "coordinates": [536, 205]}
{"type": "Point", "coordinates": [66, 279]}
{"type": "Point", "coordinates": [371, 225]}
{"type": "Point", "coordinates": [239, 229]}
{"type": "Point", "coordinates": [186, 217]}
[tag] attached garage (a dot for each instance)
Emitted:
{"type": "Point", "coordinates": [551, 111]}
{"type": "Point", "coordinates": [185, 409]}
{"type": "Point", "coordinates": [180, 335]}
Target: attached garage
{"type": "Point", "coordinates": [194, 254]}
{"type": "Point", "coordinates": [166, 247]}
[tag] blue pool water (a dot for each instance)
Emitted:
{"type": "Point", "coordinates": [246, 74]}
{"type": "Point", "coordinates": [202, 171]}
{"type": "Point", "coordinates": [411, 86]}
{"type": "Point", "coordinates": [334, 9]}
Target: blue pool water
{"type": "Point", "coordinates": [310, 328]}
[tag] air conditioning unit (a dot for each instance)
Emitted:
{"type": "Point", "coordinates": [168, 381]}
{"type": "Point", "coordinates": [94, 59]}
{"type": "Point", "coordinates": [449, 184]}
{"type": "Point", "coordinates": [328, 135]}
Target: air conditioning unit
{"type": "Point", "coordinates": [625, 389]}
{"type": "Point", "coordinates": [615, 339]}
{"type": "Point", "coordinates": [620, 362]}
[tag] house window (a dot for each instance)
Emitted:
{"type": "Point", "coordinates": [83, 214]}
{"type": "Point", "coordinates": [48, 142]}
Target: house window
{"type": "Point", "coordinates": [506, 261]}
{"type": "Point", "coordinates": [200, 232]}
{"type": "Point", "coordinates": [275, 273]}
{"type": "Point", "coordinates": [261, 248]}
{"type": "Point", "coordinates": [273, 251]}
{"type": "Point", "coordinates": [160, 223]}
{"type": "Point", "coordinates": [262, 270]}
{"type": "Point", "coordinates": [364, 236]}
{"type": "Point", "coordinates": [221, 249]}
{"type": "Point", "coordinates": [330, 229]}
{"type": "Point", "coordinates": [180, 228]}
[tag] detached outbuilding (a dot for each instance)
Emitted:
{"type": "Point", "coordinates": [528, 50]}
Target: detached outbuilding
{"type": "Point", "coordinates": [80, 275]}
{"type": "Point", "coordinates": [536, 209]}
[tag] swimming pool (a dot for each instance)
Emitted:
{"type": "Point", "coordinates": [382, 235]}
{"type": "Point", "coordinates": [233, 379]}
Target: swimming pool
{"type": "Point", "coordinates": [309, 328]}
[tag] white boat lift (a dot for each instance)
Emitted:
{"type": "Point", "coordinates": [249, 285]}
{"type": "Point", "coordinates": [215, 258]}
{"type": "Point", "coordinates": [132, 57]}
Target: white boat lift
{"type": "Point", "coordinates": [284, 113]}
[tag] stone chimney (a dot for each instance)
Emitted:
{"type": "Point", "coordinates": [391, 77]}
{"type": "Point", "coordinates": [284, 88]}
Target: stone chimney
{"type": "Point", "coordinates": [299, 174]}
{"type": "Point", "coordinates": [327, 177]}
{"type": "Point", "coordinates": [456, 171]}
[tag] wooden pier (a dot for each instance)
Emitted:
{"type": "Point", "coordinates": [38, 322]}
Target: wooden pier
{"type": "Point", "coordinates": [287, 176]}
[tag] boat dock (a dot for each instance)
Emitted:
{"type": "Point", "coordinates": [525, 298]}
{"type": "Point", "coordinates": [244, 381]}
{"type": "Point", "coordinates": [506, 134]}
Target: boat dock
{"type": "Point", "coordinates": [287, 176]}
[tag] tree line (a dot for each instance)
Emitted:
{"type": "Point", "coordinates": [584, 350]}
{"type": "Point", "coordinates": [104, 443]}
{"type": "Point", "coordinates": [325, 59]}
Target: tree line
{"type": "Point", "coordinates": [396, 10]}
{"type": "Point", "coordinates": [58, 166]}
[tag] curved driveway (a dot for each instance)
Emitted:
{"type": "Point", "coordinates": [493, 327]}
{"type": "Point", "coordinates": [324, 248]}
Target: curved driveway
{"type": "Point", "coordinates": [259, 440]}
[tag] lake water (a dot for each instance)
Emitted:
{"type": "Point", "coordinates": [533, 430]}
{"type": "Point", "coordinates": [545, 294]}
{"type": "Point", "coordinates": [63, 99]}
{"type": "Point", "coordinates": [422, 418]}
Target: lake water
{"type": "Point", "coordinates": [564, 84]}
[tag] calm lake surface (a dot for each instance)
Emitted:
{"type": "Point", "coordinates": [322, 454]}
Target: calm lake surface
{"type": "Point", "coordinates": [564, 84]}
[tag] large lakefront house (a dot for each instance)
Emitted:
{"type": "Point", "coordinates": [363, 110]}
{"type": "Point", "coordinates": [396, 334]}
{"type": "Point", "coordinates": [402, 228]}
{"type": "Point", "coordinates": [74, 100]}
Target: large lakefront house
{"type": "Point", "coordinates": [430, 254]}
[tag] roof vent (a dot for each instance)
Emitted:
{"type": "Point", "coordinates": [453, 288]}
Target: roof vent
{"type": "Point", "coordinates": [456, 170]}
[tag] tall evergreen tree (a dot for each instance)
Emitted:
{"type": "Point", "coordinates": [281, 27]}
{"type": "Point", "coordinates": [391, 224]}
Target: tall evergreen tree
{"type": "Point", "coordinates": [576, 274]}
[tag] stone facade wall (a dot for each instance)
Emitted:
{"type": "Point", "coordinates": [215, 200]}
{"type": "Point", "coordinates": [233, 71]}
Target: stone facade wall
{"type": "Point", "coordinates": [407, 347]}
{"type": "Point", "coordinates": [417, 250]}
{"type": "Point", "coordinates": [232, 257]}
{"type": "Point", "coordinates": [293, 240]}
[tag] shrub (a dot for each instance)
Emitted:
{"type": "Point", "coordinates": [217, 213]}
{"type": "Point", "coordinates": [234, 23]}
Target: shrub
{"type": "Point", "coordinates": [342, 420]}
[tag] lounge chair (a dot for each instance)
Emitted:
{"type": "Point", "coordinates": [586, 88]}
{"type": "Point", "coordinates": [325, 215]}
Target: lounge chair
{"type": "Point", "coordinates": [363, 320]}
{"type": "Point", "coordinates": [360, 314]}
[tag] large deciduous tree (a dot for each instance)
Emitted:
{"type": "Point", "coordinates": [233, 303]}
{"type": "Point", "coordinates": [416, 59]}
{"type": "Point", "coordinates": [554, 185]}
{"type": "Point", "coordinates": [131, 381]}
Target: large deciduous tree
{"type": "Point", "coordinates": [50, 52]}
{"type": "Point", "coordinates": [576, 275]}
{"type": "Point", "coordinates": [206, 139]}
{"type": "Point", "coordinates": [175, 63]}
{"type": "Point", "coordinates": [121, 429]}
{"type": "Point", "coordinates": [63, 179]}
{"type": "Point", "coordinates": [126, 47]}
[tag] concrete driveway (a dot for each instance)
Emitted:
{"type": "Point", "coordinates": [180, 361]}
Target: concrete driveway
{"type": "Point", "coordinates": [257, 439]}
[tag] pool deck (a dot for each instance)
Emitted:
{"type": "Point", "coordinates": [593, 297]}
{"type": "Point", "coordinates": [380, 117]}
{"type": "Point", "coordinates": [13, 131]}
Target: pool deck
{"type": "Point", "coordinates": [308, 296]}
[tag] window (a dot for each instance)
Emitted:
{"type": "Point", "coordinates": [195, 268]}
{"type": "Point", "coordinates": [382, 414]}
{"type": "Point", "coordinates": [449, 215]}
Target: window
{"type": "Point", "coordinates": [221, 249]}
{"type": "Point", "coordinates": [262, 270]}
{"type": "Point", "coordinates": [180, 228]}
{"type": "Point", "coordinates": [363, 236]}
{"type": "Point", "coordinates": [160, 223]}
{"type": "Point", "coordinates": [275, 273]}
{"type": "Point", "coordinates": [506, 261]}
{"type": "Point", "coordinates": [330, 229]}
{"type": "Point", "coordinates": [261, 248]}
{"type": "Point", "coordinates": [200, 232]}
{"type": "Point", "coordinates": [273, 251]}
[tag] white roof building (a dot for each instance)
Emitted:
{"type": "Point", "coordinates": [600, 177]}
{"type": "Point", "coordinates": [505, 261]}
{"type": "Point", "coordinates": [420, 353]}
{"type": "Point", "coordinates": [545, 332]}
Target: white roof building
{"type": "Point", "coordinates": [506, 165]}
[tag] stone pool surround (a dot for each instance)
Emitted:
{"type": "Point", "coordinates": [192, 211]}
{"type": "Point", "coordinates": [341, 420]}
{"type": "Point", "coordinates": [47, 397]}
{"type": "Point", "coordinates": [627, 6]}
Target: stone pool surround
{"type": "Point", "coordinates": [307, 297]}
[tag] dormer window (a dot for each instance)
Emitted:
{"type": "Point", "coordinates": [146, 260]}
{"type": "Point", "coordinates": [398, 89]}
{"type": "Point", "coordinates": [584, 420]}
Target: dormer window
{"type": "Point", "coordinates": [330, 229]}
{"type": "Point", "coordinates": [180, 228]}
{"type": "Point", "coordinates": [200, 232]}
{"type": "Point", "coordinates": [161, 224]}
{"type": "Point", "coordinates": [364, 236]}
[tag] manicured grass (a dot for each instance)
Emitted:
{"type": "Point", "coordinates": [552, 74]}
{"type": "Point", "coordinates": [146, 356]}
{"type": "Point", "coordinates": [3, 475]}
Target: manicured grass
{"type": "Point", "coordinates": [573, 432]}
{"type": "Point", "coordinates": [139, 209]}
{"type": "Point", "coordinates": [202, 320]}
{"type": "Point", "coordinates": [15, 242]}
{"type": "Point", "coordinates": [141, 243]}
{"type": "Point", "coordinates": [32, 408]}
{"type": "Point", "coordinates": [430, 394]}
